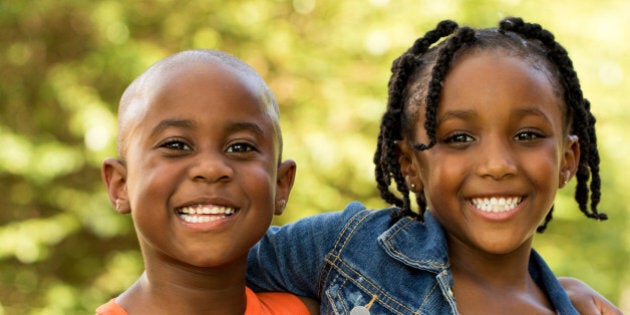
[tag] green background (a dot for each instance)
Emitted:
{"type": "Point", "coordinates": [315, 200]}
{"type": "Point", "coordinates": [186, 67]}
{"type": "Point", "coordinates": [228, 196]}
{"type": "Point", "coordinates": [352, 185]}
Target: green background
{"type": "Point", "coordinates": [64, 64]}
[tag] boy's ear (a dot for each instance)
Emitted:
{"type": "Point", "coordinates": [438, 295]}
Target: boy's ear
{"type": "Point", "coordinates": [570, 160]}
{"type": "Point", "coordinates": [407, 167]}
{"type": "Point", "coordinates": [114, 174]}
{"type": "Point", "coordinates": [286, 177]}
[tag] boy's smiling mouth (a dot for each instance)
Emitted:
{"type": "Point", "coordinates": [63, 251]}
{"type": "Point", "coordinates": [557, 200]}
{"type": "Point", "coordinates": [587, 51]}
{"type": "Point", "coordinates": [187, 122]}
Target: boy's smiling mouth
{"type": "Point", "coordinates": [204, 213]}
{"type": "Point", "coordinates": [496, 204]}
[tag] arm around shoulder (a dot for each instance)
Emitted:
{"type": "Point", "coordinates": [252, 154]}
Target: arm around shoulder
{"type": "Point", "coordinates": [290, 258]}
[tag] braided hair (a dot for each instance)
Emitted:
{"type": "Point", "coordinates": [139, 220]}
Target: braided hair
{"type": "Point", "coordinates": [417, 79]}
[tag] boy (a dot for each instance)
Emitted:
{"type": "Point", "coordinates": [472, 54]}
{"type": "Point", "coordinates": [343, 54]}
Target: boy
{"type": "Point", "coordinates": [200, 171]}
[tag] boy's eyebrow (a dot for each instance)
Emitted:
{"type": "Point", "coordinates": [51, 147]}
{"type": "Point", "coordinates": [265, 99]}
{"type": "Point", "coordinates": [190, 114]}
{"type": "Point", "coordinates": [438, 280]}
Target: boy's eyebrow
{"type": "Point", "coordinates": [168, 123]}
{"type": "Point", "coordinates": [243, 125]}
{"type": "Point", "coordinates": [188, 124]}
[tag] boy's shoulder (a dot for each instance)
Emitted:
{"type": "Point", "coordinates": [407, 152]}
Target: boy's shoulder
{"type": "Point", "coordinates": [111, 308]}
{"type": "Point", "coordinates": [274, 303]}
{"type": "Point", "coordinates": [262, 303]}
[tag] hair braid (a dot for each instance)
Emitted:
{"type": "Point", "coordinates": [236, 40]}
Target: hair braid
{"type": "Point", "coordinates": [386, 157]}
{"type": "Point", "coordinates": [418, 77]}
{"type": "Point", "coordinates": [577, 110]}
{"type": "Point", "coordinates": [445, 56]}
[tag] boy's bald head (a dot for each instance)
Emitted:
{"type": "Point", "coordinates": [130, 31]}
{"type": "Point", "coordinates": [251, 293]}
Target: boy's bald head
{"type": "Point", "coordinates": [137, 97]}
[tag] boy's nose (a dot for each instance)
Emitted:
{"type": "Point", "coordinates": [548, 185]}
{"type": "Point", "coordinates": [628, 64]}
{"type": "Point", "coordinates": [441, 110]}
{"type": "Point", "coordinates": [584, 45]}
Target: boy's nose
{"type": "Point", "coordinates": [496, 160]}
{"type": "Point", "coordinates": [211, 167]}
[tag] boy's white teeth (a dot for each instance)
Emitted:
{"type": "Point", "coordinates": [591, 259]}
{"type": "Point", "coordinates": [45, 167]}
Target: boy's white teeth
{"type": "Point", "coordinates": [496, 204]}
{"type": "Point", "coordinates": [203, 213]}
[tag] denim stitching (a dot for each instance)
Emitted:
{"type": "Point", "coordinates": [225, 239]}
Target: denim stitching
{"type": "Point", "coordinates": [334, 251]}
{"type": "Point", "coordinates": [433, 264]}
{"type": "Point", "coordinates": [334, 259]}
{"type": "Point", "coordinates": [426, 297]}
{"type": "Point", "coordinates": [386, 300]}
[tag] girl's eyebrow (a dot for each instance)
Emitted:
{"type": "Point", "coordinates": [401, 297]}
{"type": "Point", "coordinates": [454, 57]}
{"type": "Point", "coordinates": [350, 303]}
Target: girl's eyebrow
{"type": "Point", "coordinates": [467, 114]}
{"type": "Point", "coordinates": [457, 114]}
{"type": "Point", "coordinates": [523, 112]}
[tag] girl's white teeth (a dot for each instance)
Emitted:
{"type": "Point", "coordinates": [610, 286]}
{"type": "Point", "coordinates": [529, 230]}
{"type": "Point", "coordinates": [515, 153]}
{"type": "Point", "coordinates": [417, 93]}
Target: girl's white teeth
{"type": "Point", "coordinates": [203, 213]}
{"type": "Point", "coordinates": [496, 204]}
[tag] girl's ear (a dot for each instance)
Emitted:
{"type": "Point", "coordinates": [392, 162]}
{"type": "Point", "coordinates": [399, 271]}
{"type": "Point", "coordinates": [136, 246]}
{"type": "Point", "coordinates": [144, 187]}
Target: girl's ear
{"type": "Point", "coordinates": [570, 160]}
{"type": "Point", "coordinates": [407, 167]}
{"type": "Point", "coordinates": [114, 174]}
{"type": "Point", "coordinates": [286, 177]}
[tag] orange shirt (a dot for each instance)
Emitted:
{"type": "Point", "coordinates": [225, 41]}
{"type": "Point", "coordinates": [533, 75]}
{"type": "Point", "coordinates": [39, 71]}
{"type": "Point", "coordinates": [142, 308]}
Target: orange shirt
{"type": "Point", "coordinates": [111, 308]}
{"type": "Point", "coordinates": [264, 303]}
{"type": "Point", "coordinates": [274, 303]}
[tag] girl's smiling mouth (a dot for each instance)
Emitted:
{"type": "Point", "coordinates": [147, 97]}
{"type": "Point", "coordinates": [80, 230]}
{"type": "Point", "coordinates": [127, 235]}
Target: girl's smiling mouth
{"type": "Point", "coordinates": [204, 213]}
{"type": "Point", "coordinates": [496, 204]}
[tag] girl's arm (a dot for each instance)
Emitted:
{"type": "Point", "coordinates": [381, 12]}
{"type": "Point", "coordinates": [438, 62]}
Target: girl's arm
{"type": "Point", "coordinates": [291, 258]}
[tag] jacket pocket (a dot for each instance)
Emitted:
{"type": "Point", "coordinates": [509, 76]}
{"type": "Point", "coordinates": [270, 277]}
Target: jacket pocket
{"type": "Point", "coordinates": [343, 294]}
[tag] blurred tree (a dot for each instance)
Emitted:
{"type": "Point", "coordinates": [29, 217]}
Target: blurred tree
{"type": "Point", "coordinates": [64, 64]}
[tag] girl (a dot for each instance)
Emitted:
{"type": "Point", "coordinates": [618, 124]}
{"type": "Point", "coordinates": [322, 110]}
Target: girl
{"type": "Point", "coordinates": [483, 128]}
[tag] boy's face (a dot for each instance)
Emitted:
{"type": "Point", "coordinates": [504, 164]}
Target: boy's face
{"type": "Point", "coordinates": [500, 156]}
{"type": "Point", "coordinates": [201, 176]}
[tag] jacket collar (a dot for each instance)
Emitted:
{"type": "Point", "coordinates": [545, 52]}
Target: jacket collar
{"type": "Point", "coordinates": [417, 244]}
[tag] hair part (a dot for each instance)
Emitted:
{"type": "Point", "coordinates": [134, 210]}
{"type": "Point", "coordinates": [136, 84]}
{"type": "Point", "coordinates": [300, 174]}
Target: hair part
{"type": "Point", "coordinates": [417, 80]}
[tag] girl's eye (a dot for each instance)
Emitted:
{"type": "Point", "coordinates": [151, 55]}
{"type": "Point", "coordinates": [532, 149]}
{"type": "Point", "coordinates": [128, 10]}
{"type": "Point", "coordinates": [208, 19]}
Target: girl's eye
{"type": "Point", "coordinates": [241, 148]}
{"type": "Point", "coordinates": [528, 136]}
{"type": "Point", "coordinates": [459, 138]}
{"type": "Point", "coordinates": [176, 145]}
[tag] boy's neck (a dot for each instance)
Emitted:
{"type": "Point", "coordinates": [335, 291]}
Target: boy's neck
{"type": "Point", "coordinates": [185, 290]}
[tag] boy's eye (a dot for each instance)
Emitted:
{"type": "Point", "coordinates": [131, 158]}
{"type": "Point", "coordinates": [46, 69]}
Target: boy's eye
{"type": "Point", "coordinates": [177, 145]}
{"type": "Point", "coordinates": [240, 148]}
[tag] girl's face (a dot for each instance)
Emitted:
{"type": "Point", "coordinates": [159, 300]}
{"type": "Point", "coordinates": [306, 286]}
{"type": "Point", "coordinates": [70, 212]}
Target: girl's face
{"type": "Point", "coordinates": [501, 153]}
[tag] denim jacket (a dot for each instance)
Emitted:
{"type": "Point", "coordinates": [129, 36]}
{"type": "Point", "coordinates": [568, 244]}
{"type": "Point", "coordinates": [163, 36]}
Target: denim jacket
{"type": "Point", "coordinates": [358, 258]}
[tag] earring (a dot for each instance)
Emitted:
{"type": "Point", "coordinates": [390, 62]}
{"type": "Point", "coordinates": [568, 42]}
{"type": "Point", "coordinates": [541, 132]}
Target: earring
{"type": "Point", "coordinates": [118, 204]}
{"type": "Point", "coordinates": [281, 204]}
{"type": "Point", "coordinates": [413, 186]}
{"type": "Point", "coordinates": [567, 177]}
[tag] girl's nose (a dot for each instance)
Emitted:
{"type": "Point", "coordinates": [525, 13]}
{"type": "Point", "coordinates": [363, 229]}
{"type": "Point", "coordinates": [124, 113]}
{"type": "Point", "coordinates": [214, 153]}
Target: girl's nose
{"type": "Point", "coordinates": [496, 160]}
{"type": "Point", "coordinates": [211, 167]}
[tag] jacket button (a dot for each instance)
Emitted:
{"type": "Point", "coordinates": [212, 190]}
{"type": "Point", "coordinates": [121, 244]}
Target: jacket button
{"type": "Point", "coordinates": [359, 310]}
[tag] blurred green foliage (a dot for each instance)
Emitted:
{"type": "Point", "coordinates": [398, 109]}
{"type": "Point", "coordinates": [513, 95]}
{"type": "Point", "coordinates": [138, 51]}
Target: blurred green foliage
{"type": "Point", "coordinates": [64, 64]}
